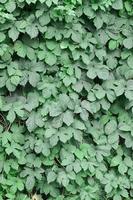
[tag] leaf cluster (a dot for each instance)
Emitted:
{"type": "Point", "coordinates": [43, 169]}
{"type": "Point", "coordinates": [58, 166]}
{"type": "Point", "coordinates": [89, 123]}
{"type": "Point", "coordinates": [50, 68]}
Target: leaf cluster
{"type": "Point", "coordinates": [66, 99]}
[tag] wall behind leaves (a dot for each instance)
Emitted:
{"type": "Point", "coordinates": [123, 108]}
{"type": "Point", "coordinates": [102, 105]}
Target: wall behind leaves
{"type": "Point", "coordinates": [66, 99]}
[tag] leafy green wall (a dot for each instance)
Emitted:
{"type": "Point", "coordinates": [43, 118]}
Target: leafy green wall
{"type": "Point", "coordinates": [66, 99]}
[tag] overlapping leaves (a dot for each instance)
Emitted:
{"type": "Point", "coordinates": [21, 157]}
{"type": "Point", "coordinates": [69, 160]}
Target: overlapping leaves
{"type": "Point", "coordinates": [66, 99]}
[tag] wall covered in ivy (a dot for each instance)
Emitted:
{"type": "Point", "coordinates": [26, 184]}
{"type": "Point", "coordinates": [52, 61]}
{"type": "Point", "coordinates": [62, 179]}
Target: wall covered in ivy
{"type": "Point", "coordinates": [66, 99]}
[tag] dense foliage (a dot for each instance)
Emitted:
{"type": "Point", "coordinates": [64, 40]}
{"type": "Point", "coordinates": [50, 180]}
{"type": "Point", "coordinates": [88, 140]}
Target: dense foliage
{"type": "Point", "coordinates": [66, 99]}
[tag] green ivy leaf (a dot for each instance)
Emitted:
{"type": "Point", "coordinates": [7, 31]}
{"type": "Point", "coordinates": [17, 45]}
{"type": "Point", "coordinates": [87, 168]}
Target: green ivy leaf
{"type": "Point", "coordinates": [34, 78]}
{"type": "Point", "coordinates": [2, 37]}
{"type": "Point", "coordinates": [32, 31]}
{"type": "Point", "coordinates": [44, 19]}
{"type": "Point", "coordinates": [128, 43]}
{"type": "Point", "coordinates": [68, 118]}
{"type": "Point", "coordinates": [13, 33]}
{"type": "Point", "coordinates": [10, 6]}
{"type": "Point", "coordinates": [30, 182]}
{"type": "Point", "coordinates": [110, 127]}
{"type": "Point", "coordinates": [116, 160]}
{"type": "Point", "coordinates": [51, 176]}
{"type": "Point", "coordinates": [11, 116]}
{"type": "Point", "coordinates": [50, 59]}
{"type": "Point", "coordinates": [118, 5]}
{"type": "Point", "coordinates": [112, 44]}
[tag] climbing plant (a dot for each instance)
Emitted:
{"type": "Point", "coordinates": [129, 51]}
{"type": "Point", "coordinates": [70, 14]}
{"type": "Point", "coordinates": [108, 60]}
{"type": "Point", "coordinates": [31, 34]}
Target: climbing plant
{"type": "Point", "coordinates": [66, 100]}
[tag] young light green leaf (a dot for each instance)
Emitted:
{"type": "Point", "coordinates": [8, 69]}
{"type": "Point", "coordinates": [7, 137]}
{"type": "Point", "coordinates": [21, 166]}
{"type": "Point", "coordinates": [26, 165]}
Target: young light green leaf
{"type": "Point", "coordinates": [116, 161]}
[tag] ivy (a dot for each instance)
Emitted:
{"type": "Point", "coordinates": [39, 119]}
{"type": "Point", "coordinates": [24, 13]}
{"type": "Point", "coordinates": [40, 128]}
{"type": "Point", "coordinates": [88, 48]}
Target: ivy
{"type": "Point", "coordinates": [66, 99]}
